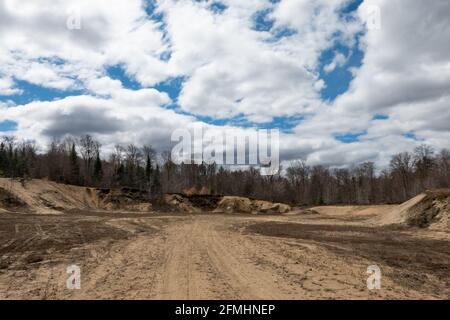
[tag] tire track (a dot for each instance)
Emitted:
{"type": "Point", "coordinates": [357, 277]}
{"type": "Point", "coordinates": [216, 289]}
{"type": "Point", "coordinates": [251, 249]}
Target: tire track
{"type": "Point", "coordinates": [245, 278]}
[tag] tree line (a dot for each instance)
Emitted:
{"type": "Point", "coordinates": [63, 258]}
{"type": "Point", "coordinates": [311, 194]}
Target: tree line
{"type": "Point", "coordinates": [79, 162]}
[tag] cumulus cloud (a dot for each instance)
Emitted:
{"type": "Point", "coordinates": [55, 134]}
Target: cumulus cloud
{"type": "Point", "coordinates": [256, 60]}
{"type": "Point", "coordinates": [404, 76]}
{"type": "Point", "coordinates": [236, 70]}
{"type": "Point", "coordinates": [36, 44]}
{"type": "Point", "coordinates": [7, 87]}
{"type": "Point", "coordinates": [133, 118]}
{"type": "Point", "coordinates": [339, 60]}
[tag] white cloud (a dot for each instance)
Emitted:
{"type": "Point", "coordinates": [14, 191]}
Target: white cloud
{"type": "Point", "coordinates": [125, 117]}
{"type": "Point", "coordinates": [231, 69]}
{"type": "Point", "coordinates": [7, 87]}
{"type": "Point", "coordinates": [404, 74]}
{"type": "Point", "coordinates": [44, 74]}
{"type": "Point", "coordinates": [339, 60]}
{"type": "Point", "coordinates": [235, 70]}
{"type": "Point", "coordinates": [318, 25]}
{"type": "Point", "coordinates": [112, 32]}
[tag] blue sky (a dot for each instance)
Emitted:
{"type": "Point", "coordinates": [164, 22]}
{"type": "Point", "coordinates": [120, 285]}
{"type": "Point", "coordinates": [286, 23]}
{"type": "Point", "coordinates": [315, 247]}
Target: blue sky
{"type": "Point", "coordinates": [313, 69]}
{"type": "Point", "coordinates": [336, 82]}
{"type": "Point", "coordinates": [30, 92]}
{"type": "Point", "coordinates": [8, 125]}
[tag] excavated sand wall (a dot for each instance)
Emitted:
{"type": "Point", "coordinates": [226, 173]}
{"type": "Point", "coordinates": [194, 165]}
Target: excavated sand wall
{"type": "Point", "coordinates": [42, 196]}
{"type": "Point", "coordinates": [230, 204]}
{"type": "Point", "coordinates": [226, 204]}
{"type": "Point", "coordinates": [430, 209]}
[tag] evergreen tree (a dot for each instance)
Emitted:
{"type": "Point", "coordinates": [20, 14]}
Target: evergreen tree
{"type": "Point", "coordinates": [74, 166]}
{"type": "Point", "coordinates": [120, 174]}
{"type": "Point", "coordinates": [98, 171]}
{"type": "Point", "coordinates": [148, 168]}
{"type": "Point", "coordinates": [156, 183]}
{"type": "Point", "coordinates": [22, 168]}
{"type": "Point", "coordinates": [3, 160]}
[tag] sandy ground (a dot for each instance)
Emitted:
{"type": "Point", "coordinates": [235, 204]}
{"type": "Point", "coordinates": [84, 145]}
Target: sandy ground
{"type": "Point", "coordinates": [210, 256]}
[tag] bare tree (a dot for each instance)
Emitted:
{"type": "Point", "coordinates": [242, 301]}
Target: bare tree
{"type": "Point", "coordinates": [424, 163]}
{"type": "Point", "coordinates": [89, 149]}
{"type": "Point", "coordinates": [442, 174]}
{"type": "Point", "coordinates": [402, 171]}
{"type": "Point", "coordinates": [141, 167]}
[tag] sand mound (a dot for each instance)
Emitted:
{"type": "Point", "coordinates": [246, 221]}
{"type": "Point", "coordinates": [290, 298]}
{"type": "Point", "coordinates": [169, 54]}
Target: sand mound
{"type": "Point", "coordinates": [428, 210]}
{"type": "Point", "coordinates": [127, 199]}
{"type": "Point", "coordinates": [196, 203]}
{"type": "Point", "coordinates": [9, 202]}
{"type": "Point", "coordinates": [270, 207]}
{"type": "Point", "coordinates": [353, 210]}
{"type": "Point", "coordinates": [231, 204]}
{"type": "Point", "coordinates": [234, 204]}
{"type": "Point", "coordinates": [180, 203]}
{"type": "Point", "coordinates": [42, 196]}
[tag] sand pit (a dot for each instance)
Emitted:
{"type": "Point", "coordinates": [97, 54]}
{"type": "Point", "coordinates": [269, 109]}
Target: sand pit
{"type": "Point", "coordinates": [354, 211]}
{"type": "Point", "coordinates": [48, 197]}
{"type": "Point", "coordinates": [428, 210]}
{"type": "Point", "coordinates": [320, 253]}
{"type": "Point", "coordinates": [180, 203]}
{"type": "Point", "coordinates": [9, 202]}
{"type": "Point", "coordinates": [198, 203]}
{"type": "Point", "coordinates": [40, 196]}
{"type": "Point", "coordinates": [211, 256]}
{"type": "Point", "coordinates": [230, 204]}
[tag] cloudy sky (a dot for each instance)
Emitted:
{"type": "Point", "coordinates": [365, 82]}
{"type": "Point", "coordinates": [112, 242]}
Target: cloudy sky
{"type": "Point", "coordinates": [345, 81]}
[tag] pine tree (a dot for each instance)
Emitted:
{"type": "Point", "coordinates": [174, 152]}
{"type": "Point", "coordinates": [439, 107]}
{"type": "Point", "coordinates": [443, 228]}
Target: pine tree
{"type": "Point", "coordinates": [148, 168]}
{"type": "Point", "coordinates": [98, 171]}
{"type": "Point", "coordinates": [74, 166]}
{"type": "Point", "coordinates": [156, 184]}
{"type": "Point", "coordinates": [3, 160]}
{"type": "Point", "coordinates": [120, 174]}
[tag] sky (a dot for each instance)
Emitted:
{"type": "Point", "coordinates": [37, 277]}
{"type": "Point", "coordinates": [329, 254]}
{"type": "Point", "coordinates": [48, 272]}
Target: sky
{"type": "Point", "coordinates": [345, 81]}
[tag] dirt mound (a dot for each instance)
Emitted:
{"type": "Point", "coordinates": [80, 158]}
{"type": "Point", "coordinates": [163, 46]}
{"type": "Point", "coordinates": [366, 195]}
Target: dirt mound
{"type": "Point", "coordinates": [353, 210]}
{"type": "Point", "coordinates": [205, 191]}
{"type": "Point", "coordinates": [270, 207]}
{"type": "Point", "coordinates": [197, 203]}
{"type": "Point", "coordinates": [234, 204]}
{"type": "Point", "coordinates": [180, 203]}
{"type": "Point", "coordinates": [128, 199]}
{"type": "Point", "coordinates": [9, 202]}
{"type": "Point", "coordinates": [193, 191]}
{"type": "Point", "coordinates": [231, 204]}
{"type": "Point", "coordinates": [428, 210]}
{"type": "Point", "coordinates": [204, 201]}
{"type": "Point", "coordinates": [190, 191]}
{"type": "Point", "coordinates": [42, 196]}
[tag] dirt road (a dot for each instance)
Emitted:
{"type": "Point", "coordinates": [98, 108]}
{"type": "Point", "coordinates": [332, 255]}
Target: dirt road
{"type": "Point", "coordinates": [215, 257]}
